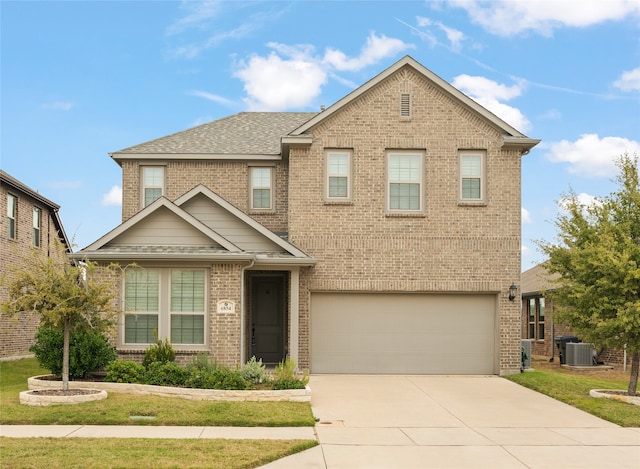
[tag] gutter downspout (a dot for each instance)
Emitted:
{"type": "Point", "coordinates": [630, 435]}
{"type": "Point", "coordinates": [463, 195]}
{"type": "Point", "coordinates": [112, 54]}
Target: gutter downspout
{"type": "Point", "coordinates": [243, 358]}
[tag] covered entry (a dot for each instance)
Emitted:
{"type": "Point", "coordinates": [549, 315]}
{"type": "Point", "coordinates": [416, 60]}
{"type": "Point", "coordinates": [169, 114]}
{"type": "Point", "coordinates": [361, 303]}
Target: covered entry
{"type": "Point", "coordinates": [403, 333]}
{"type": "Point", "coordinates": [268, 316]}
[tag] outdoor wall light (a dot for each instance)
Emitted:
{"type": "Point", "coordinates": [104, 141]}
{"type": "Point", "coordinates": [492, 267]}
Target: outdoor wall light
{"type": "Point", "coordinates": [513, 290]}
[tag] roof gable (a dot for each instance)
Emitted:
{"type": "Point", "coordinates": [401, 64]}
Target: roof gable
{"type": "Point", "coordinates": [511, 136]}
{"type": "Point", "coordinates": [232, 222]}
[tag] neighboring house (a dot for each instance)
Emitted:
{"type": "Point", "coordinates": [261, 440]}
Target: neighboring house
{"type": "Point", "coordinates": [30, 222]}
{"type": "Point", "coordinates": [538, 323]}
{"type": "Point", "coordinates": [380, 235]}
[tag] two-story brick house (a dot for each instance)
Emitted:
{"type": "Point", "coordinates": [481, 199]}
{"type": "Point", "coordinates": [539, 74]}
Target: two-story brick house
{"type": "Point", "coordinates": [31, 225]}
{"type": "Point", "coordinates": [380, 235]}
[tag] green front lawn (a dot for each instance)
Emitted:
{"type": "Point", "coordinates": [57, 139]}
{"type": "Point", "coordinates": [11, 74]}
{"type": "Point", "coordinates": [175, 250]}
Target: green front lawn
{"type": "Point", "coordinates": [572, 387]}
{"type": "Point", "coordinates": [118, 408]}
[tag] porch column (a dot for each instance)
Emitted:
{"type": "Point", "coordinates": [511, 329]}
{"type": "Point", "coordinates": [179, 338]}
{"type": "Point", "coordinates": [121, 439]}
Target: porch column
{"type": "Point", "coordinates": [294, 320]}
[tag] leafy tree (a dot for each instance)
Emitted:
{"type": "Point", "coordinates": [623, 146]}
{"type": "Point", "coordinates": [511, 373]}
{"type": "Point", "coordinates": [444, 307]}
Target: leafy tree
{"type": "Point", "coordinates": [597, 259]}
{"type": "Point", "coordinates": [67, 297]}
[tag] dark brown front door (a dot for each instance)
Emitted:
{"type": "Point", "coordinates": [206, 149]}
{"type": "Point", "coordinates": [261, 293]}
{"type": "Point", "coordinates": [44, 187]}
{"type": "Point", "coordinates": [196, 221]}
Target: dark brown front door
{"type": "Point", "coordinates": [268, 318]}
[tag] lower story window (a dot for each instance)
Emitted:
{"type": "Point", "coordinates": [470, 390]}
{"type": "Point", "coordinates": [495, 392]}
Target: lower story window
{"type": "Point", "coordinates": [165, 303]}
{"type": "Point", "coordinates": [535, 314]}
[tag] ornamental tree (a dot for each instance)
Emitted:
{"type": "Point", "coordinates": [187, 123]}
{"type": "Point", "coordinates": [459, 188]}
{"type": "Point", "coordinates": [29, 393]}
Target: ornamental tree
{"type": "Point", "coordinates": [597, 259]}
{"type": "Point", "coordinates": [66, 296]}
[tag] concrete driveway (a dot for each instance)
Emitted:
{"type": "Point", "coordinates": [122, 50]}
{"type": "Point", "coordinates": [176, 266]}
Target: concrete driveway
{"type": "Point", "coordinates": [454, 422]}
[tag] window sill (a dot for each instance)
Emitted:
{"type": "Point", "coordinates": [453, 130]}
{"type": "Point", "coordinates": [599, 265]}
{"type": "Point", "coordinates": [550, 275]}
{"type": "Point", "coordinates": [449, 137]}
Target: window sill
{"type": "Point", "coordinates": [469, 203]}
{"type": "Point", "coordinates": [405, 215]}
{"type": "Point", "coordinates": [255, 211]}
{"type": "Point", "coordinates": [338, 202]}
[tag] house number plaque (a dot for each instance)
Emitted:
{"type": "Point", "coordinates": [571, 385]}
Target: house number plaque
{"type": "Point", "coordinates": [226, 306]}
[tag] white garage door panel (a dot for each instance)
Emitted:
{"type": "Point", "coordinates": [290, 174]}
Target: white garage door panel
{"type": "Point", "coordinates": [402, 333]}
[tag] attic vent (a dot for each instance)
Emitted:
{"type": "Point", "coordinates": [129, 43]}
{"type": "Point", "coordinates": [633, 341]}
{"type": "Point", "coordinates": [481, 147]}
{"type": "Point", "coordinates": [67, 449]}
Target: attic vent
{"type": "Point", "coordinates": [405, 105]}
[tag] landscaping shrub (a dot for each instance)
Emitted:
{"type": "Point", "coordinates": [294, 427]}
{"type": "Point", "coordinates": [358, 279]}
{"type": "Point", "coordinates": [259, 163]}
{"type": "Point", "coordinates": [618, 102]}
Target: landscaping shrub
{"type": "Point", "coordinates": [121, 371]}
{"type": "Point", "coordinates": [284, 376]}
{"type": "Point", "coordinates": [165, 374]}
{"type": "Point", "coordinates": [253, 371]}
{"type": "Point", "coordinates": [89, 350]}
{"type": "Point", "coordinates": [293, 383]}
{"type": "Point", "coordinates": [162, 352]}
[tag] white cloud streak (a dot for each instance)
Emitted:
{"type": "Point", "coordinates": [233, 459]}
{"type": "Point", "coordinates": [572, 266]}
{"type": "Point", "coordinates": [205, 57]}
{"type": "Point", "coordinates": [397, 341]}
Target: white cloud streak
{"type": "Point", "coordinates": [58, 106]}
{"type": "Point", "coordinates": [526, 216]}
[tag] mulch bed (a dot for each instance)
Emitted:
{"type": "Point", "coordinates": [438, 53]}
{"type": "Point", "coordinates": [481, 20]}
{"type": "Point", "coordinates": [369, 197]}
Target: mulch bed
{"type": "Point", "coordinates": [60, 392]}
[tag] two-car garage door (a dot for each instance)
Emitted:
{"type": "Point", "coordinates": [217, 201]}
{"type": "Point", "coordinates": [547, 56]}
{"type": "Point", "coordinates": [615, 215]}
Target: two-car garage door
{"type": "Point", "coordinates": [403, 333]}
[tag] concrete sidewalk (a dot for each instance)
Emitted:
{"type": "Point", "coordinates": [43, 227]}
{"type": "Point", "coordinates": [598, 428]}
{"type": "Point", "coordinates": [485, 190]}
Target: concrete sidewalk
{"type": "Point", "coordinates": [139, 431]}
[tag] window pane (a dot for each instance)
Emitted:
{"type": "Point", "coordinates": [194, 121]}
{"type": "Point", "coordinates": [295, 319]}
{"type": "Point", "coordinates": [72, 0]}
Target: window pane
{"type": "Point", "coordinates": [532, 309]}
{"type": "Point", "coordinates": [151, 195]}
{"type": "Point", "coordinates": [541, 314]}
{"type": "Point", "coordinates": [261, 177]}
{"type": "Point", "coordinates": [36, 226]}
{"type": "Point", "coordinates": [187, 328]}
{"type": "Point", "coordinates": [11, 216]}
{"type": "Point", "coordinates": [470, 166]}
{"type": "Point", "coordinates": [338, 187]}
{"type": "Point", "coordinates": [404, 196]}
{"type": "Point", "coordinates": [141, 290]}
{"type": "Point", "coordinates": [261, 198]}
{"type": "Point", "coordinates": [187, 290]}
{"type": "Point", "coordinates": [140, 328]}
{"type": "Point", "coordinates": [404, 168]}
{"type": "Point", "coordinates": [532, 331]}
{"type": "Point", "coordinates": [540, 331]}
{"type": "Point", "coordinates": [338, 164]}
{"type": "Point", "coordinates": [470, 188]}
{"type": "Point", "coordinates": [153, 176]}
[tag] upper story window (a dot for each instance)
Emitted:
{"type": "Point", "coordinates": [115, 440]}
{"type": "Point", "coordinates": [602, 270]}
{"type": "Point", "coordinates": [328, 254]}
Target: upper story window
{"type": "Point", "coordinates": [12, 211]}
{"type": "Point", "coordinates": [152, 184]}
{"type": "Point", "coordinates": [535, 314]}
{"type": "Point", "coordinates": [472, 176]}
{"type": "Point", "coordinates": [37, 222]}
{"type": "Point", "coordinates": [261, 188]}
{"type": "Point", "coordinates": [165, 303]}
{"type": "Point", "coordinates": [338, 176]}
{"type": "Point", "coordinates": [405, 182]}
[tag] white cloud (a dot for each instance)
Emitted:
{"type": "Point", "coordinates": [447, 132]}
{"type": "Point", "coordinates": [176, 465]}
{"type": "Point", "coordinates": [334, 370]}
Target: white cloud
{"type": "Point", "coordinates": [198, 15]}
{"type": "Point", "coordinates": [66, 185]}
{"type": "Point", "coordinates": [275, 84]}
{"type": "Point", "coordinates": [591, 155]}
{"type": "Point", "coordinates": [585, 200]}
{"type": "Point", "coordinates": [113, 197]}
{"type": "Point", "coordinates": [293, 76]}
{"type": "Point", "coordinates": [490, 94]}
{"type": "Point", "coordinates": [526, 216]}
{"type": "Point", "coordinates": [629, 81]}
{"type": "Point", "coordinates": [511, 17]}
{"type": "Point", "coordinates": [454, 36]}
{"type": "Point", "coordinates": [375, 49]}
{"type": "Point", "coordinates": [58, 106]}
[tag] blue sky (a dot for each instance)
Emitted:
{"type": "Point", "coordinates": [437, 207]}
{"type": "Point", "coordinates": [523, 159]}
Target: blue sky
{"type": "Point", "coordinates": [82, 79]}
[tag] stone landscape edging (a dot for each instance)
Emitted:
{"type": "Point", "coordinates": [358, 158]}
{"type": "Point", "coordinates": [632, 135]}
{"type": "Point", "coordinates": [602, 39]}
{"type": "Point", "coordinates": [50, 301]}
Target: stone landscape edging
{"type": "Point", "coordinates": [285, 395]}
{"type": "Point", "coordinates": [42, 400]}
{"type": "Point", "coordinates": [608, 394]}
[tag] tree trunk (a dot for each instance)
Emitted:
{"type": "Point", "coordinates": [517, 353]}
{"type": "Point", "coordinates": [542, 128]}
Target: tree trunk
{"type": "Point", "coordinates": [65, 354]}
{"type": "Point", "coordinates": [633, 379]}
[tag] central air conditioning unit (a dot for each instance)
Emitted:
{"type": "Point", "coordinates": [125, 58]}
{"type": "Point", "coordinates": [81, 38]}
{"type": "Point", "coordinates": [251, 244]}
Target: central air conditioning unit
{"type": "Point", "coordinates": [579, 354]}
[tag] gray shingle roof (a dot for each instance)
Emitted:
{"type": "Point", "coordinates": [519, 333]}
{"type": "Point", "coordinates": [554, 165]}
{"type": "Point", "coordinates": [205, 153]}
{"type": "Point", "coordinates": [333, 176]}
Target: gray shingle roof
{"type": "Point", "coordinates": [245, 133]}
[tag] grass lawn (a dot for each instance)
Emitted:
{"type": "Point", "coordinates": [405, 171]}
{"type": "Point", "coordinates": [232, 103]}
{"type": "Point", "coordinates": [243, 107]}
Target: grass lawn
{"type": "Point", "coordinates": [573, 386]}
{"type": "Point", "coordinates": [107, 453]}
{"type": "Point", "coordinates": [18, 453]}
{"type": "Point", "coordinates": [118, 408]}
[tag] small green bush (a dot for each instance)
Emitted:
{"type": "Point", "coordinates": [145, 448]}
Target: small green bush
{"type": "Point", "coordinates": [165, 374]}
{"type": "Point", "coordinates": [121, 371]}
{"type": "Point", "coordinates": [89, 350]}
{"type": "Point", "coordinates": [162, 352]}
{"type": "Point", "coordinates": [284, 376]}
{"type": "Point", "coordinates": [253, 371]}
{"type": "Point", "coordinates": [292, 383]}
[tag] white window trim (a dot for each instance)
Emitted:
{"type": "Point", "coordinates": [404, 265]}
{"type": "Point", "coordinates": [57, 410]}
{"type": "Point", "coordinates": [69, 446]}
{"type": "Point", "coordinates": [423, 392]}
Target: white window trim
{"type": "Point", "coordinates": [12, 216]}
{"type": "Point", "coordinates": [142, 181]}
{"type": "Point", "coordinates": [37, 229]}
{"type": "Point", "coordinates": [483, 178]}
{"type": "Point", "coordinates": [349, 175]}
{"type": "Point", "coordinates": [164, 312]}
{"type": "Point", "coordinates": [272, 205]}
{"type": "Point", "coordinates": [388, 182]}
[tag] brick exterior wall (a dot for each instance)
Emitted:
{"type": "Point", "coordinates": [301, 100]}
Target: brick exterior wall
{"type": "Point", "coordinates": [452, 248]}
{"type": "Point", "coordinates": [17, 333]}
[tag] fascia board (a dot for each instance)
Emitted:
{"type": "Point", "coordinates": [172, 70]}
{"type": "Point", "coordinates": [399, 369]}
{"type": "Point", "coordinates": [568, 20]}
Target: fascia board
{"type": "Point", "coordinates": [132, 257]}
{"type": "Point", "coordinates": [118, 157]}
